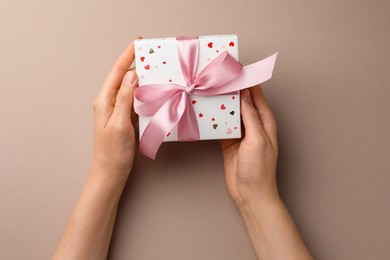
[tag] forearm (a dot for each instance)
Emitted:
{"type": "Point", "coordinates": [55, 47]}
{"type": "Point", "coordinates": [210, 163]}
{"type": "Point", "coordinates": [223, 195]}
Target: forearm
{"type": "Point", "coordinates": [272, 230]}
{"type": "Point", "coordinates": [89, 231]}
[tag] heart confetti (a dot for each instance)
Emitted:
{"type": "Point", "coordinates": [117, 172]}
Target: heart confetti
{"type": "Point", "coordinates": [223, 107]}
{"type": "Point", "coordinates": [142, 59]}
{"type": "Point", "coordinates": [147, 67]}
{"type": "Point", "coordinates": [200, 115]}
{"type": "Point", "coordinates": [215, 126]}
{"type": "Point", "coordinates": [151, 51]}
{"type": "Point", "coordinates": [193, 102]}
{"type": "Point", "coordinates": [232, 112]}
{"type": "Point", "coordinates": [210, 45]}
{"type": "Point", "coordinates": [231, 44]}
{"type": "Point", "coordinates": [229, 131]}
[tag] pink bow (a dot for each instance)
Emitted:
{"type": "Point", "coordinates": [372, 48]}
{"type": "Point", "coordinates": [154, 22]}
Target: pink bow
{"type": "Point", "coordinates": [168, 103]}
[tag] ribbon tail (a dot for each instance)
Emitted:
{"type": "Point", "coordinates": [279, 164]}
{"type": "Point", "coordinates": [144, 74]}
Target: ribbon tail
{"type": "Point", "coordinates": [251, 75]}
{"type": "Point", "coordinates": [161, 124]}
{"type": "Point", "coordinates": [188, 129]}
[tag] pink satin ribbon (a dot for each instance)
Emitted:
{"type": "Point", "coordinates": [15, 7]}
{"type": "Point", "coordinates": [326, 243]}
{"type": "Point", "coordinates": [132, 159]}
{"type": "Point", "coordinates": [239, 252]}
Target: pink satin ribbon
{"type": "Point", "coordinates": [169, 104]}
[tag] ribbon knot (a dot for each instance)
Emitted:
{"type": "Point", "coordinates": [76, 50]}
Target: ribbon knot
{"type": "Point", "coordinates": [168, 103]}
{"type": "Point", "coordinates": [189, 89]}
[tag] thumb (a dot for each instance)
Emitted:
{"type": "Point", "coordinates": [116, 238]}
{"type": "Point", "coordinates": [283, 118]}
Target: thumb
{"type": "Point", "coordinates": [250, 116]}
{"type": "Point", "coordinates": [124, 99]}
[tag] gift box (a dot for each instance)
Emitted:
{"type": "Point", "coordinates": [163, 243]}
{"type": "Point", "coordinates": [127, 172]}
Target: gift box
{"type": "Point", "coordinates": [189, 88]}
{"type": "Point", "coordinates": [157, 61]}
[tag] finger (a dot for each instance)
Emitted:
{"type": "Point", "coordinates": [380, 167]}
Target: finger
{"type": "Point", "coordinates": [250, 117]}
{"type": "Point", "coordinates": [266, 116]}
{"type": "Point", "coordinates": [105, 101]}
{"type": "Point", "coordinates": [124, 99]}
{"type": "Point", "coordinates": [114, 78]}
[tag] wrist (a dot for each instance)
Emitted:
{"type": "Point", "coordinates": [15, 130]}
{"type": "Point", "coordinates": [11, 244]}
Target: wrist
{"type": "Point", "coordinates": [253, 197]}
{"type": "Point", "coordinates": [260, 208]}
{"type": "Point", "coordinates": [111, 176]}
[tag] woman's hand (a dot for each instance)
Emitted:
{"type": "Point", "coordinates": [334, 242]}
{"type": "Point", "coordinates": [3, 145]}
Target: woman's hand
{"type": "Point", "coordinates": [250, 163]}
{"type": "Point", "coordinates": [89, 231]}
{"type": "Point", "coordinates": [114, 136]}
{"type": "Point", "coordinates": [250, 172]}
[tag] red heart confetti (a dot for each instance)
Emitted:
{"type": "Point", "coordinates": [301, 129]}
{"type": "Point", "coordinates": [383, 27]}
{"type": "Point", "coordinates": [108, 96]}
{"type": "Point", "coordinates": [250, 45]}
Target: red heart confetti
{"type": "Point", "coordinates": [233, 97]}
{"type": "Point", "coordinates": [231, 44]}
{"type": "Point", "coordinates": [229, 131]}
{"type": "Point", "coordinates": [170, 80]}
{"type": "Point", "coordinates": [193, 102]}
{"type": "Point", "coordinates": [147, 67]}
{"type": "Point", "coordinates": [223, 107]}
{"type": "Point", "coordinates": [213, 119]}
{"type": "Point", "coordinates": [164, 62]}
{"type": "Point", "coordinates": [217, 50]}
{"type": "Point", "coordinates": [142, 59]}
{"type": "Point", "coordinates": [159, 46]}
{"type": "Point", "coordinates": [200, 115]}
{"type": "Point", "coordinates": [210, 45]}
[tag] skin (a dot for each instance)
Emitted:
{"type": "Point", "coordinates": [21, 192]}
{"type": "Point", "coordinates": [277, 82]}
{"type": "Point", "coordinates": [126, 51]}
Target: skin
{"type": "Point", "coordinates": [249, 163]}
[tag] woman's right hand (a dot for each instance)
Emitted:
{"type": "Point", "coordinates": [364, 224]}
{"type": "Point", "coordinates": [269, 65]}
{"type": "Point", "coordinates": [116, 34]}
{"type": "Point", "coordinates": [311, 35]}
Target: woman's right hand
{"type": "Point", "coordinates": [250, 162]}
{"type": "Point", "coordinates": [250, 173]}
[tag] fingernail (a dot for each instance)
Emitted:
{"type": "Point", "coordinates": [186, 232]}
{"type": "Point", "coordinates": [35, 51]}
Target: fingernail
{"type": "Point", "coordinates": [129, 78]}
{"type": "Point", "coordinates": [246, 95]}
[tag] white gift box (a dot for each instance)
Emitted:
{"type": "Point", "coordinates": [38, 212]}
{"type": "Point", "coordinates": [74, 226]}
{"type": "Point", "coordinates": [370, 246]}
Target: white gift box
{"type": "Point", "coordinates": [157, 62]}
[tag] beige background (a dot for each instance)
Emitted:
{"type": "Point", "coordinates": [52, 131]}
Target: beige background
{"type": "Point", "coordinates": [330, 95]}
